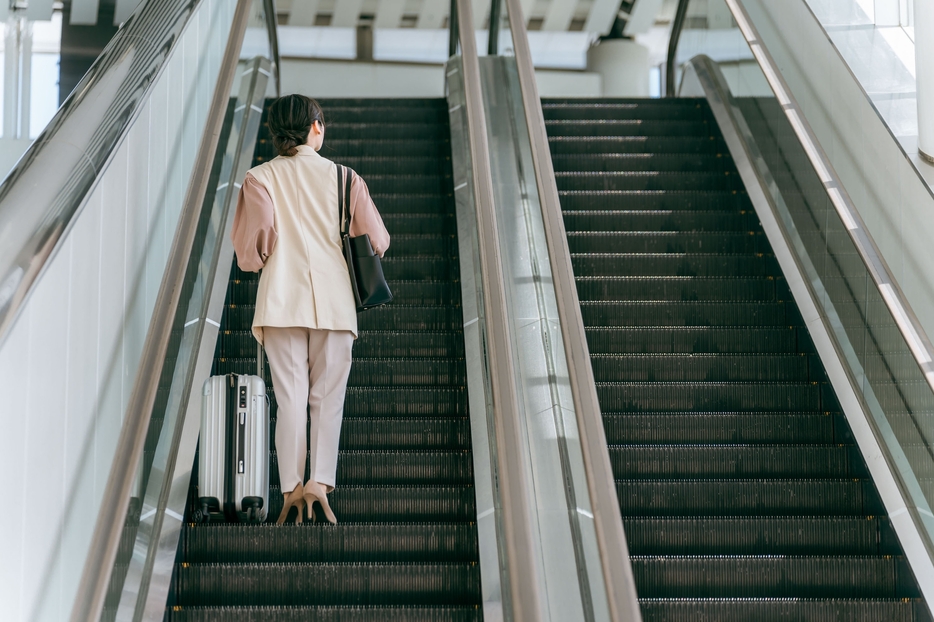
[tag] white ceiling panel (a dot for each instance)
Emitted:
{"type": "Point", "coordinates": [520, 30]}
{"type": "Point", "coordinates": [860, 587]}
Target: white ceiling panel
{"type": "Point", "coordinates": [83, 12]}
{"type": "Point", "coordinates": [559, 15]}
{"type": "Point", "coordinates": [602, 15]}
{"type": "Point", "coordinates": [527, 6]}
{"type": "Point", "coordinates": [433, 13]}
{"type": "Point", "coordinates": [39, 10]}
{"type": "Point", "coordinates": [643, 16]}
{"type": "Point", "coordinates": [303, 13]}
{"type": "Point", "coordinates": [389, 13]}
{"type": "Point", "coordinates": [481, 10]}
{"type": "Point", "coordinates": [124, 9]}
{"type": "Point", "coordinates": [346, 13]}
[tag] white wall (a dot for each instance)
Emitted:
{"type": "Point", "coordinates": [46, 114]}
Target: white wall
{"type": "Point", "coordinates": [337, 78]}
{"type": "Point", "coordinates": [71, 357]}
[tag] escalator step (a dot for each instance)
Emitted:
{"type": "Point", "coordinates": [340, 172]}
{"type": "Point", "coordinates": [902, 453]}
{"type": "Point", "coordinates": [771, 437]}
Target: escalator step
{"type": "Point", "coordinates": [347, 542]}
{"type": "Point", "coordinates": [628, 127]}
{"type": "Point", "coordinates": [766, 577]}
{"type": "Point", "coordinates": [645, 162]}
{"type": "Point", "coordinates": [393, 504]}
{"type": "Point", "coordinates": [463, 613]}
{"type": "Point", "coordinates": [722, 427]}
{"type": "Point", "coordinates": [415, 245]}
{"type": "Point", "coordinates": [336, 148]}
{"type": "Point", "coordinates": [700, 367]}
{"type": "Point", "coordinates": [683, 314]}
{"type": "Point", "coordinates": [389, 371]}
{"type": "Point", "coordinates": [573, 111]}
{"type": "Point", "coordinates": [410, 317]}
{"type": "Point", "coordinates": [738, 461]}
{"type": "Point", "coordinates": [602, 143]}
{"type": "Point", "coordinates": [673, 264]}
{"type": "Point", "coordinates": [683, 204]}
{"type": "Point", "coordinates": [395, 343]}
{"type": "Point", "coordinates": [328, 584]}
{"type": "Point", "coordinates": [384, 131]}
{"type": "Point", "coordinates": [780, 610]}
{"type": "Point", "coordinates": [396, 433]}
{"type": "Point", "coordinates": [389, 467]}
{"type": "Point", "coordinates": [405, 401]}
{"type": "Point", "coordinates": [413, 206]}
{"type": "Point", "coordinates": [418, 268]}
{"type": "Point", "coordinates": [418, 223]}
{"type": "Point", "coordinates": [708, 396]}
{"type": "Point", "coordinates": [425, 103]}
{"type": "Point", "coordinates": [660, 220]}
{"type": "Point", "coordinates": [759, 497]}
{"type": "Point", "coordinates": [425, 292]}
{"type": "Point", "coordinates": [435, 115]}
{"type": "Point", "coordinates": [768, 535]}
{"type": "Point", "coordinates": [613, 181]}
{"type": "Point", "coordinates": [665, 242]}
{"type": "Point", "coordinates": [409, 183]}
{"type": "Point", "coordinates": [692, 339]}
{"type": "Point", "coordinates": [675, 288]}
{"type": "Point", "coordinates": [396, 165]}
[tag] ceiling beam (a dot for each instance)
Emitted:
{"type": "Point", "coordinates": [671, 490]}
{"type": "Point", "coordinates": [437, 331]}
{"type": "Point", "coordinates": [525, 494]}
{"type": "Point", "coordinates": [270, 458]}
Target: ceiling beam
{"type": "Point", "coordinates": [602, 15]}
{"type": "Point", "coordinates": [303, 13]}
{"type": "Point", "coordinates": [346, 13]}
{"type": "Point", "coordinates": [123, 11]}
{"type": "Point", "coordinates": [433, 13]}
{"type": "Point", "coordinates": [559, 15]}
{"type": "Point", "coordinates": [389, 13]}
{"type": "Point", "coordinates": [83, 12]}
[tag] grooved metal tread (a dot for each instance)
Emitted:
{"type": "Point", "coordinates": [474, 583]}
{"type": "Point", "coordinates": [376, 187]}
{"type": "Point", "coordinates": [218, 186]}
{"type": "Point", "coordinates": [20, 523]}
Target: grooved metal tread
{"type": "Point", "coordinates": [406, 544]}
{"type": "Point", "coordinates": [743, 494]}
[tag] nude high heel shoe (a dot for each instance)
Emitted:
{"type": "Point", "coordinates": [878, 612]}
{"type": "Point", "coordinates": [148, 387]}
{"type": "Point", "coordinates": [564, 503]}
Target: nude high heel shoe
{"type": "Point", "coordinates": [293, 498]}
{"type": "Point", "coordinates": [316, 492]}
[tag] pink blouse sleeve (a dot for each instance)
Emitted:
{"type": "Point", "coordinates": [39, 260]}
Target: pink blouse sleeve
{"type": "Point", "coordinates": [254, 228]}
{"type": "Point", "coordinates": [364, 218]}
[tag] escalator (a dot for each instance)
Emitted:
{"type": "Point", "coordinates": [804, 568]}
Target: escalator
{"type": "Point", "coordinates": [406, 545]}
{"type": "Point", "coordinates": [742, 492]}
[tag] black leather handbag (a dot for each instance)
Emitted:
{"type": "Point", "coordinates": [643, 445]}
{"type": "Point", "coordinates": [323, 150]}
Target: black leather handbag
{"type": "Point", "coordinates": [366, 272]}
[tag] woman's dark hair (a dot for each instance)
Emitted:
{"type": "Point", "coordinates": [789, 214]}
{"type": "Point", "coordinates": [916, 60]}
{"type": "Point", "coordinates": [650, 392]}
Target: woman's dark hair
{"type": "Point", "coordinates": [290, 121]}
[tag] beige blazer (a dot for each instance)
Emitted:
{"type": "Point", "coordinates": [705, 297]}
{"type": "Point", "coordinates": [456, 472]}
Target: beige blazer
{"type": "Point", "coordinates": [287, 224]}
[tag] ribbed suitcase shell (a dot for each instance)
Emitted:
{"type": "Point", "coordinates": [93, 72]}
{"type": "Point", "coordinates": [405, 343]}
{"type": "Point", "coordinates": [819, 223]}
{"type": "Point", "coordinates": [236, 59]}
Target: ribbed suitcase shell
{"type": "Point", "coordinates": [251, 479]}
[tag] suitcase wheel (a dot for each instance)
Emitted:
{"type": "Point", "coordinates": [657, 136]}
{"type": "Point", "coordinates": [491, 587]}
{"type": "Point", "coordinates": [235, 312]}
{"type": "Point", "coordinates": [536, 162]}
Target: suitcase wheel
{"type": "Point", "coordinates": [252, 506]}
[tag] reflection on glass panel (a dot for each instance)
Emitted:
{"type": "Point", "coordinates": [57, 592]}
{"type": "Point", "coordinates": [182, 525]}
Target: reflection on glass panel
{"type": "Point", "coordinates": [882, 368]}
{"type": "Point", "coordinates": [29, 75]}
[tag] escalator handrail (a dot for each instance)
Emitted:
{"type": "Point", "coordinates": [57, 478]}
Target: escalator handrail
{"type": "Point", "coordinates": [108, 529]}
{"type": "Point", "coordinates": [522, 596]}
{"type": "Point", "coordinates": [273, 32]}
{"type": "Point", "coordinates": [895, 300]}
{"type": "Point", "coordinates": [45, 192]}
{"type": "Point", "coordinates": [608, 522]}
{"type": "Point", "coordinates": [676, 27]}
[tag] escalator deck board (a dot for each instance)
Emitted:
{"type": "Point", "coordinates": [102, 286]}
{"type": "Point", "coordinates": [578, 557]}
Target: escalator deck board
{"type": "Point", "coordinates": [742, 493]}
{"type": "Point", "coordinates": [406, 544]}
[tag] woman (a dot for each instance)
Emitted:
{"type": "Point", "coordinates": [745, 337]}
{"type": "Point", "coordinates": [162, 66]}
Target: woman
{"type": "Point", "coordinates": [287, 223]}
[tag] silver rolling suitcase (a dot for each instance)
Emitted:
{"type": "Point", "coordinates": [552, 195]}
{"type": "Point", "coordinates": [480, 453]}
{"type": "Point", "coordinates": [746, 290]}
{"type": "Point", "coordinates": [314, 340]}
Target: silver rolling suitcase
{"type": "Point", "coordinates": [233, 463]}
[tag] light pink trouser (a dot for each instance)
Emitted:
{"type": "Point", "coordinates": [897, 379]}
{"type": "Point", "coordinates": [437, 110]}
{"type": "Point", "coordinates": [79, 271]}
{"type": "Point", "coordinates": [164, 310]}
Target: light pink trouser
{"type": "Point", "coordinates": [309, 366]}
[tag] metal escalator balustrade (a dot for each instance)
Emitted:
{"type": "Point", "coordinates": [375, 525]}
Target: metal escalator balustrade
{"type": "Point", "coordinates": [406, 545]}
{"type": "Point", "coordinates": [742, 492]}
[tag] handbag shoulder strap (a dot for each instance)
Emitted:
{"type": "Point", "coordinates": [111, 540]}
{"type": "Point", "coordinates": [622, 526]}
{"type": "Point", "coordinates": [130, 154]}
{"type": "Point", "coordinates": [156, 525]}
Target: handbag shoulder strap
{"type": "Point", "coordinates": [340, 200]}
{"type": "Point", "coordinates": [344, 179]}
